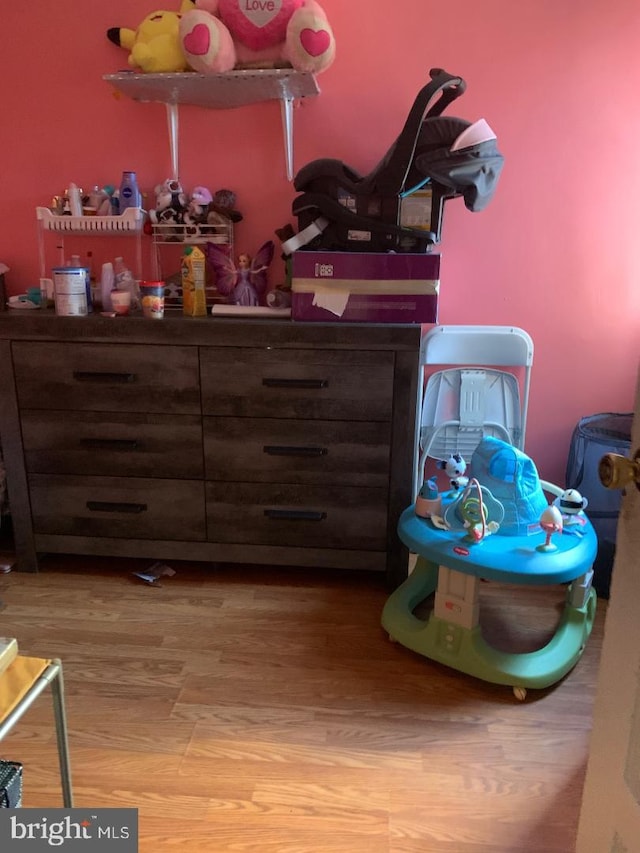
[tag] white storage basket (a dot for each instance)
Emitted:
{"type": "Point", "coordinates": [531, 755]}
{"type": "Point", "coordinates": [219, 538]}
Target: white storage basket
{"type": "Point", "coordinates": [130, 221]}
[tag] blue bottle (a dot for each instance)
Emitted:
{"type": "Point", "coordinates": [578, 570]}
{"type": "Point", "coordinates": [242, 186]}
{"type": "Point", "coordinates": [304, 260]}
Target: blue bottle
{"type": "Point", "coordinates": [129, 192]}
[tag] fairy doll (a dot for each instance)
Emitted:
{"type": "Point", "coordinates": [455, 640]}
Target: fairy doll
{"type": "Point", "coordinates": [243, 283]}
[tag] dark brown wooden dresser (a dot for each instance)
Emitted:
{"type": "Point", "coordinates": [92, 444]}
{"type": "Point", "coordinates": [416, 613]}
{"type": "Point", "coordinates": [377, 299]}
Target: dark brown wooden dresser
{"type": "Point", "coordinates": [222, 440]}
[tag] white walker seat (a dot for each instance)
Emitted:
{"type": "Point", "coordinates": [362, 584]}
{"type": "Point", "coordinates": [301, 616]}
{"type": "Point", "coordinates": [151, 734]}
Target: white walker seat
{"type": "Point", "coordinates": [458, 406]}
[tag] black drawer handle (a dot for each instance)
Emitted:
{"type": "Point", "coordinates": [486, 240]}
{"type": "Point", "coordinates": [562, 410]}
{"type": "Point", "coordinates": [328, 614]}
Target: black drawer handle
{"type": "Point", "coordinates": [109, 443]}
{"type": "Point", "coordinates": [98, 376]}
{"type": "Point", "coordinates": [296, 383]}
{"type": "Point", "coordinates": [284, 450]}
{"type": "Point", "coordinates": [295, 514]}
{"type": "Point", "coordinates": [108, 506]}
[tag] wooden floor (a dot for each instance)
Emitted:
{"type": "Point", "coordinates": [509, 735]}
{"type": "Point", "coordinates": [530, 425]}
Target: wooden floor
{"type": "Point", "coordinates": [256, 709]}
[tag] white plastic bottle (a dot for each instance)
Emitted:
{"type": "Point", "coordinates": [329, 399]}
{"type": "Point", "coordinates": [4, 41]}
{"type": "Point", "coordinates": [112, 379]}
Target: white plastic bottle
{"type": "Point", "coordinates": [75, 200]}
{"type": "Point", "coordinates": [96, 197]}
{"type": "Point", "coordinates": [107, 283]}
{"type": "Point", "coordinates": [121, 271]}
{"type": "Point", "coordinates": [76, 262]}
{"type": "Point", "coordinates": [125, 280]}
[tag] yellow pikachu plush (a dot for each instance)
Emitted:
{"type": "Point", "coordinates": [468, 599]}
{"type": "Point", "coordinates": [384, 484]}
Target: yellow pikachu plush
{"type": "Point", "coordinates": [155, 46]}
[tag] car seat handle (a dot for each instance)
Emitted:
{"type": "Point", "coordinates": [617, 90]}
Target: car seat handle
{"type": "Point", "coordinates": [448, 87]}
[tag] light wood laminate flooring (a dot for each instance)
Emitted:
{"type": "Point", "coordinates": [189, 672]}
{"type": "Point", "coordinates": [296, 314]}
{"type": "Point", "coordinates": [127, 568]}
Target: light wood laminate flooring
{"type": "Point", "coordinates": [261, 709]}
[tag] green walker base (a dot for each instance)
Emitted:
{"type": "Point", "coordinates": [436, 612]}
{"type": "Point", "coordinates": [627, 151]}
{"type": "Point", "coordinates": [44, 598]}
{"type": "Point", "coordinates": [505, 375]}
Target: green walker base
{"type": "Point", "coordinates": [466, 650]}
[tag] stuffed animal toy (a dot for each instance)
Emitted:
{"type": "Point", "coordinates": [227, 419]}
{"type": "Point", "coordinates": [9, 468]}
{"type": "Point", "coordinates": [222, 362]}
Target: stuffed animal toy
{"type": "Point", "coordinates": [198, 207]}
{"type": "Point", "coordinates": [171, 203]}
{"type": "Point", "coordinates": [223, 203]}
{"type": "Point", "coordinates": [205, 208]}
{"type": "Point", "coordinates": [220, 35]}
{"type": "Point", "coordinates": [454, 467]}
{"type": "Point", "coordinates": [155, 46]}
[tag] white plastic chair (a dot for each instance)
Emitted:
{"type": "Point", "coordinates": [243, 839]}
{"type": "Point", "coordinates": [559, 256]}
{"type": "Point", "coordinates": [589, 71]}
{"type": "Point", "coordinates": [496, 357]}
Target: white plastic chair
{"type": "Point", "coordinates": [471, 398]}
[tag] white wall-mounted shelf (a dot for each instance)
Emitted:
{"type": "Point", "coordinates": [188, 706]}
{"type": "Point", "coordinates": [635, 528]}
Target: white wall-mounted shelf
{"type": "Point", "coordinates": [220, 91]}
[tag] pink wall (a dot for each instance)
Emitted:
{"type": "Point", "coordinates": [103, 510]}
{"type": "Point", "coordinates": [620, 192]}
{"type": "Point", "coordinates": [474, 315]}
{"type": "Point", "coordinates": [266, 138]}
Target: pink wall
{"type": "Point", "coordinates": [554, 253]}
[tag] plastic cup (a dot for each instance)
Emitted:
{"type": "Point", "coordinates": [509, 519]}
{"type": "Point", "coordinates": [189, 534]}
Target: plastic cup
{"type": "Point", "coordinates": [34, 294]}
{"type": "Point", "coordinates": [46, 292]}
{"type": "Point", "coordinates": [121, 301]}
{"type": "Point", "coordinates": [152, 296]}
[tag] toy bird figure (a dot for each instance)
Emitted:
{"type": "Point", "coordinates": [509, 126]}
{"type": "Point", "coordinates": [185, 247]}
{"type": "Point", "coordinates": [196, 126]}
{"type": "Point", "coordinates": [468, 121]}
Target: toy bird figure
{"type": "Point", "coordinates": [243, 283]}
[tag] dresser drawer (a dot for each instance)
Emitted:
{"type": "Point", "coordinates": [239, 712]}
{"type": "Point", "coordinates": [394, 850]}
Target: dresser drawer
{"type": "Point", "coordinates": [107, 378]}
{"type": "Point", "coordinates": [276, 450]}
{"type": "Point", "coordinates": [119, 445]}
{"type": "Point", "coordinates": [324, 384]}
{"type": "Point", "coordinates": [116, 507]}
{"type": "Point", "coordinates": [303, 516]}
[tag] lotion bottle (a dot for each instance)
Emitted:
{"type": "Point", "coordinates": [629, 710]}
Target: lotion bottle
{"type": "Point", "coordinates": [129, 192]}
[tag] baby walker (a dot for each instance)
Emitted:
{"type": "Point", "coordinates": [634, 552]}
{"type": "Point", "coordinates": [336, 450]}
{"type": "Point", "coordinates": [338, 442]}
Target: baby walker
{"type": "Point", "coordinates": [498, 526]}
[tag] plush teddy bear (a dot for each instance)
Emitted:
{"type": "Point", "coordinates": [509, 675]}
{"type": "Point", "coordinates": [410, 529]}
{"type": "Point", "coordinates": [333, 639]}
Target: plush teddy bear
{"type": "Point", "coordinates": [220, 35]}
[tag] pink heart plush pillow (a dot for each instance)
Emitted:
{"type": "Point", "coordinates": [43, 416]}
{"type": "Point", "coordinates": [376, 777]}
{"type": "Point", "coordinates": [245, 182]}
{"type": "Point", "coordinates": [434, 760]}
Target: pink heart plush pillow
{"type": "Point", "coordinates": [258, 23]}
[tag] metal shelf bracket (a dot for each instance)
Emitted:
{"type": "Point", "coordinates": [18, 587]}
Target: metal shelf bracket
{"type": "Point", "coordinates": [219, 91]}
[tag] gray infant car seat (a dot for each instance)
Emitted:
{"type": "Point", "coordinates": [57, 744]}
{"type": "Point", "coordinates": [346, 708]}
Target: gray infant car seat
{"type": "Point", "coordinates": [449, 156]}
